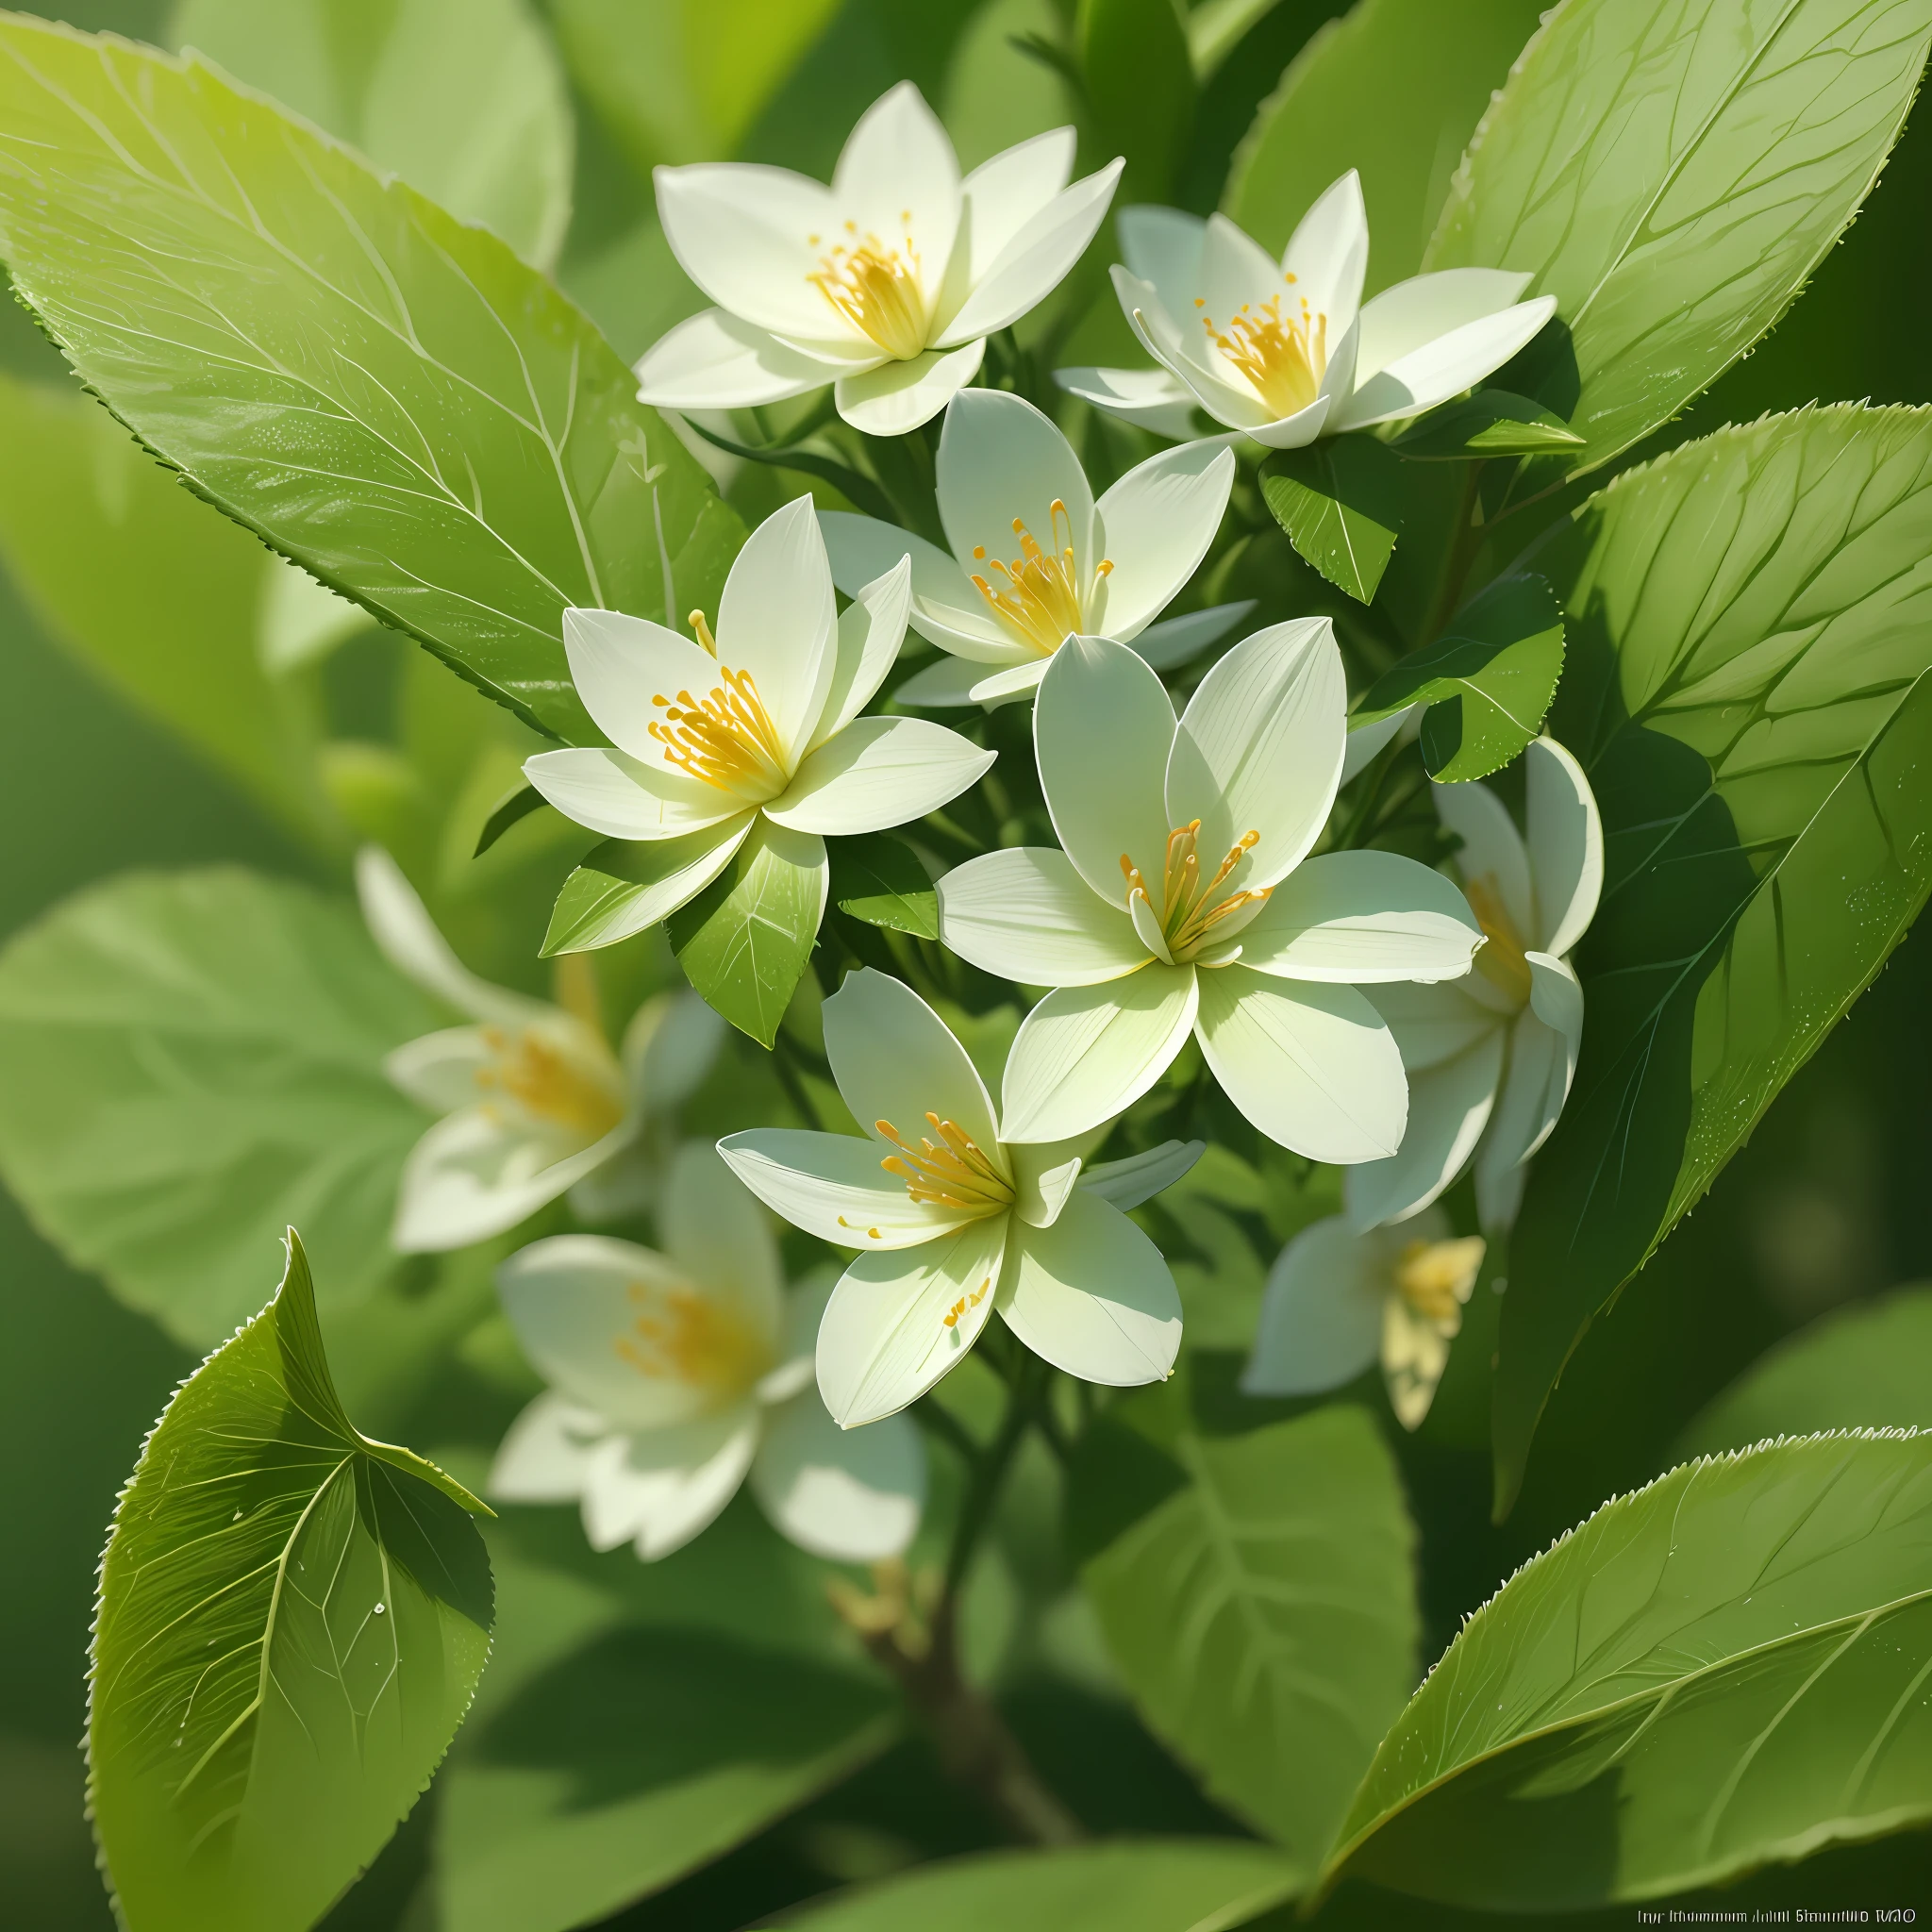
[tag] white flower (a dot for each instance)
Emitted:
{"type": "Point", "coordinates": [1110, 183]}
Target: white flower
{"type": "Point", "coordinates": [760, 724]}
{"type": "Point", "coordinates": [1337, 1299]}
{"type": "Point", "coordinates": [954, 1223]}
{"type": "Point", "coordinates": [675, 1375]}
{"type": "Point", "coordinates": [1288, 354]}
{"type": "Point", "coordinates": [1184, 901]}
{"type": "Point", "coordinates": [533, 1101]}
{"type": "Point", "coordinates": [1490, 1058]}
{"type": "Point", "coordinates": [1035, 559]}
{"type": "Point", "coordinates": [887, 283]}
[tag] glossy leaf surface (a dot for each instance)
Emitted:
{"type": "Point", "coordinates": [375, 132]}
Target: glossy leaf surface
{"type": "Point", "coordinates": [1491, 422]}
{"type": "Point", "coordinates": [880, 881]}
{"type": "Point", "coordinates": [1336, 502]}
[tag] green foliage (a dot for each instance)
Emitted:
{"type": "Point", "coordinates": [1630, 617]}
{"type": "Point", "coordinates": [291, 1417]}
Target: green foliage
{"type": "Point", "coordinates": [291, 1624]}
{"type": "Point", "coordinates": [1263, 1616]}
{"type": "Point", "coordinates": [187, 1062]}
{"type": "Point", "coordinates": [1722, 1669]}
{"type": "Point", "coordinates": [880, 880]}
{"type": "Point", "coordinates": [1746, 690]}
{"type": "Point", "coordinates": [1488, 681]}
{"type": "Point", "coordinates": [464, 99]}
{"type": "Point", "coordinates": [1672, 172]}
{"type": "Point", "coordinates": [1337, 500]}
{"type": "Point", "coordinates": [1138, 78]}
{"type": "Point", "coordinates": [1491, 423]}
{"type": "Point", "coordinates": [389, 397]}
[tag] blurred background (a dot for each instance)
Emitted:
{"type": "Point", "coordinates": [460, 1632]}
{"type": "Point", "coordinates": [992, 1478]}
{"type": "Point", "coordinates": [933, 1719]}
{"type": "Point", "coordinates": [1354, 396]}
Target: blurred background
{"type": "Point", "coordinates": [311, 728]}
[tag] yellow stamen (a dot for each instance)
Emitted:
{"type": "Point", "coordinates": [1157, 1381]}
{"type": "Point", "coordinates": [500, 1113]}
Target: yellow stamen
{"type": "Point", "coordinates": [1501, 962]}
{"type": "Point", "coordinates": [728, 738]}
{"type": "Point", "coordinates": [951, 1318]}
{"type": "Point", "coordinates": [877, 288]}
{"type": "Point", "coordinates": [1189, 911]}
{"type": "Point", "coordinates": [1435, 1278]}
{"type": "Point", "coordinates": [1283, 357]}
{"type": "Point", "coordinates": [697, 623]}
{"type": "Point", "coordinates": [574, 1091]}
{"type": "Point", "coordinates": [685, 1336]}
{"type": "Point", "coordinates": [1039, 597]}
{"type": "Point", "coordinates": [951, 1172]}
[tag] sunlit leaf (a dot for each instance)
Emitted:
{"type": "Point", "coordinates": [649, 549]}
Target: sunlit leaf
{"type": "Point", "coordinates": [1138, 79]}
{"type": "Point", "coordinates": [880, 880]}
{"type": "Point", "coordinates": [1338, 501]}
{"type": "Point", "coordinates": [1491, 423]}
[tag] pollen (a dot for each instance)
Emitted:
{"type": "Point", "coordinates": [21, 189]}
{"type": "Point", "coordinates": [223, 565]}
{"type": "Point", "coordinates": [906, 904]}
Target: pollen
{"type": "Point", "coordinates": [1189, 910]}
{"type": "Point", "coordinates": [1502, 961]}
{"type": "Point", "coordinates": [1038, 596]}
{"type": "Point", "coordinates": [877, 287]}
{"type": "Point", "coordinates": [948, 1169]}
{"type": "Point", "coordinates": [1435, 1278]}
{"type": "Point", "coordinates": [951, 1318]}
{"type": "Point", "coordinates": [726, 738]}
{"type": "Point", "coordinates": [1283, 357]}
{"type": "Point", "coordinates": [579, 1090]}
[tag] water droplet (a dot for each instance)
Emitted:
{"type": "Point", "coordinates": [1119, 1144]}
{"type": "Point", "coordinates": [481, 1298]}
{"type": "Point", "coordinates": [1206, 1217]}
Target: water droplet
{"type": "Point", "coordinates": [379, 1609]}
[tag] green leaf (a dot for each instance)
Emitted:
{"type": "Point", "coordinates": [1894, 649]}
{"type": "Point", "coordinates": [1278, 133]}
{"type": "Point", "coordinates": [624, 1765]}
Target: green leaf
{"type": "Point", "coordinates": [386, 396]}
{"type": "Point", "coordinates": [1488, 681]}
{"type": "Point", "coordinates": [1337, 501]}
{"type": "Point", "coordinates": [744, 941]}
{"type": "Point", "coordinates": [1393, 88]}
{"type": "Point", "coordinates": [1264, 1617]}
{"type": "Point", "coordinates": [1138, 78]}
{"type": "Point", "coordinates": [880, 880]}
{"type": "Point", "coordinates": [1747, 649]}
{"type": "Point", "coordinates": [1859, 1367]}
{"type": "Point", "coordinates": [1725, 1668]}
{"type": "Point", "coordinates": [464, 99]}
{"type": "Point", "coordinates": [858, 489]}
{"type": "Point", "coordinates": [515, 808]}
{"type": "Point", "coordinates": [1672, 175]}
{"type": "Point", "coordinates": [291, 1624]}
{"type": "Point", "coordinates": [1491, 422]}
{"type": "Point", "coordinates": [1147, 1884]}
{"type": "Point", "coordinates": [187, 1061]}
{"type": "Point", "coordinates": [611, 894]}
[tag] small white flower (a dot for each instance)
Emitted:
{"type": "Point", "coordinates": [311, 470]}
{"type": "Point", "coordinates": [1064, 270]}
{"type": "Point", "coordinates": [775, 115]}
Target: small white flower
{"type": "Point", "coordinates": [1337, 1299]}
{"type": "Point", "coordinates": [675, 1375]}
{"type": "Point", "coordinates": [887, 283]}
{"type": "Point", "coordinates": [759, 723]}
{"type": "Point", "coordinates": [1184, 901]}
{"type": "Point", "coordinates": [954, 1221]}
{"type": "Point", "coordinates": [1035, 560]}
{"type": "Point", "coordinates": [533, 1101]}
{"type": "Point", "coordinates": [1490, 1058]}
{"type": "Point", "coordinates": [1288, 354]}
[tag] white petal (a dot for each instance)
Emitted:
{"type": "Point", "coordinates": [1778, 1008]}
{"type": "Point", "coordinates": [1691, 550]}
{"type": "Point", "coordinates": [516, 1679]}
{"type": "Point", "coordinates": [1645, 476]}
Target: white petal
{"type": "Point", "coordinates": [621, 665]}
{"type": "Point", "coordinates": [1002, 462]}
{"type": "Point", "coordinates": [778, 618]}
{"type": "Point", "coordinates": [1044, 1175]}
{"type": "Point", "coordinates": [546, 1454]}
{"type": "Point", "coordinates": [743, 234]}
{"type": "Point", "coordinates": [897, 175]}
{"type": "Point", "coordinates": [1141, 1177]}
{"type": "Point", "coordinates": [719, 362]}
{"type": "Point", "coordinates": [975, 633]}
{"type": "Point", "coordinates": [717, 1235]}
{"type": "Point", "coordinates": [657, 1489]}
{"type": "Point", "coordinates": [440, 1071]}
{"type": "Point", "coordinates": [998, 198]}
{"type": "Point", "coordinates": [1155, 400]}
{"type": "Point", "coordinates": [1321, 1314]}
{"type": "Point", "coordinates": [1085, 1054]}
{"type": "Point", "coordinates": [1543, 1061]}
{"type": "Point", "coordinates": [1156, 524]}
{"type": "Point", "coordinates": [1365, 741]}
{"type": "Point", "coordinates": [1328, 254]}
{"type": "Point", "coordinates": [1174, 640]}
{"type": "Point", "coordinates": [1566, 846]}
{"type": "Point", "coordinates": [1296, 431]}
{"type": "Point", "coordinates": [896, 1060]}
{"type": "Point", "coordinates": [887, 1336]}
{"type": "Point", "coordinates": [476, 1174]}
{"type": "Point", "coordinates": [1163, 247]}
{"type": "Point", "coordinates": [862, 550]}
{"type": "Point", "coordinates": [832, 1185]}
{"type": "Point", "coordinates": [947, 683]}
{"type": "Point", "coordinates": [1092, 1295]}
{"type": "Point", "coordinates": [880, 772]}
{"type": "Point", "coordinates": [1355, 917]}
{"type": "Point", "coordinates": [1259, 748]}
{"type": "Point", "coordinates": [1415, 1351]}
{"type": "Point", "coordinates": [1446, 367]}
{"type": "Point", "coordinates": [1102, 731]}
{"type": "Point", "coordinates": [669, 1048]}
{"type": "Point", "coordinates": [1025, 914]}
{"type": "Point", "coordinates": [668, 872]}
{"type": "Point", "coordinates": [865, 646]}
{"type": "Point", "coordinates": [1036, 261]}
{"type": "Point", "coordinates": [850, 1495]}
{"type": "Point", "coordinates": [1408, 315]}
{"type": "Point", "coordinates": [1492, 850]}
{"type": "Point", "coordinates": [1312, 1066]}
{"type": "Point", "coordinates": [1449, 1106]}
{"type": "Point", "coordinates": [1433, 1024]}
{"type": "Point", "coordinates": [1236, 274]}
{"type": "Point", "coordinates": [1006, 687]}
{"type": "Point", "coordinates": [1220, 390]}
{"type": "Point", "coordinates": [402, 928]}
{"type": "Point", "coordinates": [624, 798]}
{"type": "Point", "coordinates": [898, 397]}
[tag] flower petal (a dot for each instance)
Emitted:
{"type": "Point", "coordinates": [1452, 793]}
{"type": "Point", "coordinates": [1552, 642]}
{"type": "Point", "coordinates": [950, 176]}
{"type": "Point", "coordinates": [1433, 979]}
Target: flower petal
{"type": "Point", "coordinates": [1408, 315]}
{"type": "Point", "coordinates": [1542, 1063]}
{"type": "Point", "coordinates": [1007, 687]}
{"type": "Point", "coordinates": [657, 1489]}
{"type": "Point", "coordinates": [1025, 914]}
{"type": "Point", "coordinates": [440, 1071]}
{"type": "Point", "coordinates": [1296, 431]}
{"type": "Point", "coordinates": [1163, 248]}
{"type": "Point", "coordinates": [621, 665]}
{"type": "Point", "coordinates": [1328, 256]}
{"type": "Point", "coordinates": [997, 199]}
{"type": "Point", "coordinates": [1174, 640]}
{"type": "Point", "coordinates": [1236, 274]}
{"type": "Point", "coordinates": [716, 360]}
{"type": "Point", "coordinates": [898, 397]}
{"type": "Point", "coordinates": [1036, 261]}
{"type": "Point", "coordinates": [1259, 747]}
{"type": "Point", "coordinates": [1449, 1106]}
{"type": "Point", "coordinates": [778, 620]}
{"type": "Point", "coordinates": [832, 1185]}
{"type": "Point", "coordinates": [1141, 1177]}
{"type": "Point", "coordinates": [1155, 527]}
{"type": "Point", "coordinates": [865, 646]}
{"type": "Point", "coordinates": [1045, 1177]}
{"type": "Point", "coordinates": [897, 1322]}
{"type": "Point", "coordinates": [1366, 742]}
{"type": "Point", "coordinates": [862, 550]}
{"type": "Point", "coordinates": [849, 1496]}
{"type": "Point", "coordinates": [1092, 1295]}
{"type": "Point", "coordinates": [1433, 1024]}
{"type": "Point", "coordinates": [1085, 1054]}
{"type": "Point", "coordinates": [1155, 400]}
{"type": "Point", "coordinates": [949, 682]}
{"type": "Point", "coordinates": [546, 1454]}
{"type": "Point", "coordinates": [1312, 1066]}
{"type": "Point", "coordinates": [669, 1048]}
{"type": "Point", "coordinates": [1565, 846]}
{"type": "Point", "coordinates": [403, 930]}
{"type": "Point", "coordinates": [1102, 731]}
{"type": "Point", "coordinates": [1492, 851]}
{"type": "Point", "coordinates": [880, 772]}
{"type": "Point", "coordinates": [897, 176]}
{"type": "Point", "coordinates": [1355, 917]}
{"type": "Point", "coordinates": [1322, 1313]}
{"type": "Point", "coordinates": [476, 1174]}
{"type": "Point", "coordinates": [715, 1233]}
{"type": "Point", "coordinates": [624, 798]}
{"type": "Point", "coordinates": [1226, 396]}
{"type": "Point", "coordinates": [1444, 367]}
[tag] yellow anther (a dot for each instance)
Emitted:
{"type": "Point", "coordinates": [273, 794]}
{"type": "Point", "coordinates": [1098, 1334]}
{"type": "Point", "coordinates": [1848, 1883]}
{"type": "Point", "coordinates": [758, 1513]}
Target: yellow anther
{"type": "Point", "coordinates": [1039, 597]}
{"type": "Point", "coordinates": [697, 623]}
{"type": "Point", "coordinates": [1502, 961]}
{"type": "Point", "coordinates": [691, 1339]}
{"type": "Point", "coordinates": [1283, 357]}
{"type": "Point", "coordinates": [727, 739]}
{"type": "Point", "coordinates": [1435, 1278]}
{"type": "Point", "coordinates": [951, 1318]}
{"type": "Point", "coordinates": [949, 1171]}
{"type": "Point", "coordinates": [580, 1092]}
{"type": "Point", "coordinates": [1187, 911]}
{"type": "Point", "coordinates": [877, 288]}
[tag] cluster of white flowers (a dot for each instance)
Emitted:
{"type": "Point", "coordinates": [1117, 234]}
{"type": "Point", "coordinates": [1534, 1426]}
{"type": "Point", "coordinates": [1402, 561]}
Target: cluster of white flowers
{"type": "Point", "coordinates": [1358, 1006]}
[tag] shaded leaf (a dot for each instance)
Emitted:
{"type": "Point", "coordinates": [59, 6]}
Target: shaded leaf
{"type": "Point", "coordinates": [1336, 502]}
{"type": "Point", "coordinates": [1138, 77]}
{"type": "Point", "coordinates": [514, 809]}
{"type": "Point", "coordinates": [291, 1624]}
{"type": "Point", "coordinates": [1491, 422]}
{"type": "Point", "coordinates": [880, 881]}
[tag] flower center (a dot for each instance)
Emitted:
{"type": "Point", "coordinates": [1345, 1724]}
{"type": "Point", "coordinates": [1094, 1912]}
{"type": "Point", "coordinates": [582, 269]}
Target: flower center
{"type": "Point", "coordinates": [726, 738]}
{"type": "Point", "coordinates": [951, 1172]}
{"type": "Point", "coordinates": [1501, 962]}
{"type": "Point", "coordinates": [679, 1335]}
{"type": "Point", "coordinates": [877, 289]}
{"type": "Point", "coordinates": [1189, 910]}
{"type": "Point", "coordinates": [1039, 595]}
{"type": "Point", "coordinates": [1435, 1277]}
{"type": "Point", "coordinates": [572, 1090]}
{"type": "Point", "coordinates": [1283, 357]}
